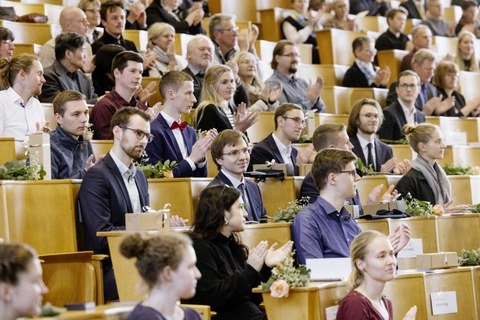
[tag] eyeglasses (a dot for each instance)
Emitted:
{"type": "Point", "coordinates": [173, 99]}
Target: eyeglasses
{"type": "Point", "coordinates": [141, 134]}
{"type": "Point", "coordinates": [8, 43]}
{"type": "Point", "coordinates": [92, 10]}
{"type": "Point", "coordinates": [291, 55]}
{"type": "Point", "coordinates": [298, 121]}
{"type": "Point", "coordinates": [353, 172]}
{"type": "Point", "coordinates": [233, 29]}
{"type": "Point", "coordinates": [408, 85]}
{"type": "Point", "coordinates": [237, 153]}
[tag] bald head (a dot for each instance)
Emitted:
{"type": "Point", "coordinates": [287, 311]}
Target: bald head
{"type": "Point", "coordinates": [73, 19]}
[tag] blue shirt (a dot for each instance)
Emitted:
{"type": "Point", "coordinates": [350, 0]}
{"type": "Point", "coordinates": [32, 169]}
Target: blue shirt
{"type": "Point", "coordinates": [320, 231]}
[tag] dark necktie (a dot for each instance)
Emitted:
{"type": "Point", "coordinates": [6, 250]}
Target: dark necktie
{"type": "Point", "coordinates": [248, 208]}
{"type": "Point", "coordinates": [423, 94]}
{"type": "Point", "coordinates": [370, 156]}
{"type": "Point", "coordinates": [180, 125]}
{"type": "Point", "coordinates": [200, 75]}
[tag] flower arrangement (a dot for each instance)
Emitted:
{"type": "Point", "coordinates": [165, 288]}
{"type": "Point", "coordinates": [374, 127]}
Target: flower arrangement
{"type": "Point", "coordinates": [22, 169]}
{"type": "Point", "coordinates": [469, 257]}
{"type": "Point", "coordinates": [88, 135]}
{"type": "Point", "coordinates": [286, 276]}
{"type": "Point", "coordinates": [415, 207]}
{"type": "Point", "coordinates": [158, 170]}
{"type": "Point", "coordinates": [363, 168]}
{"type": "Point", "coordinates": [291, 211]}
{"type": "Point", "coordinates": [459, 170]}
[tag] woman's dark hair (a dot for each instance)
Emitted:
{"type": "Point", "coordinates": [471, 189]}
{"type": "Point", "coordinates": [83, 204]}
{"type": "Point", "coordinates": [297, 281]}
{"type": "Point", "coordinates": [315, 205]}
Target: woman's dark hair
{"type": "Point", "coordinates": [101, 76]}
{"type": "Point", "coordinates": [210, 214]}
{"type": "Point", "coordinates": [14, 258]}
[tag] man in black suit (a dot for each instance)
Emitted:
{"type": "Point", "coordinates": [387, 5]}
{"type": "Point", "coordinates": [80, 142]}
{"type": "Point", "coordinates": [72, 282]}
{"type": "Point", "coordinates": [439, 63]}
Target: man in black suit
{"type": "Point", "coordinates": [115, 186]}
{"type": "Point", "coordinates": [363, 122]}
{"type": "Point", "coordinates": [277, 146]}
{"type": "Point", "coordinates": [231, 155]}
{"type": "Point", "coordinates": [403, 110]}
{"type": "Point", "coordinates": [65, 72]}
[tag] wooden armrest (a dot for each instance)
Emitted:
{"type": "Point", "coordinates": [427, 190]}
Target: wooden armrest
{"type": "Point", "coordinates": [99, 257]}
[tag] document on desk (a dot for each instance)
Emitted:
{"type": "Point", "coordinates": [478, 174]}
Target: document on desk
{"type": "Point", "coordinates": [329, 269]}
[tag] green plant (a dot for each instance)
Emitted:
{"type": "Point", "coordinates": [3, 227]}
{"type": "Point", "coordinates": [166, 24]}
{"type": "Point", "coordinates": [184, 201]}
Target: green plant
{"type": "Point", "coordinates": [295, 277]}
{"type": "Point", "coordinates": [469, 257]}
{"type": "Point", "coordinates": [158, 170]}
{"type": "Point", "coordinates": [22, 169]}
{"type": "Point", "coordinates": [415, 207]}
{"type": "Point", "coordinates": [304, 139]}
{"type": "Point", "coordinates": [291, 211]}
{"type": "Point", "coordinates": [363, 168]}
{"type": "Point", "coordinates": [458, 170]}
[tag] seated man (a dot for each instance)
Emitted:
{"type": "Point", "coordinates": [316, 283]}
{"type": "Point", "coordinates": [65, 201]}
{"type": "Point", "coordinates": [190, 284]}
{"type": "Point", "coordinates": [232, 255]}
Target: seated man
{"type": "Point", "coordinates": [184, 19]}
{"type": "Point", "coordinates": [325, 229]}
{"type": "Point", "coordinates": [374, 7]}
{"type": "Point", "coordinates": [403, 110]}
{"type": "Point", "coordinates": [65, 72]}
{"type": "Point", "coordinates": [469, 20]}
{"type": "Point", "coordinates": [174, 139]}
{"type": "Point", "coordinates": [71, 152]}
{"type": "Point", "coordinates": [421, 39]}
{"type": "Point", "coordinates": [435, 21]}
{"type": "Point", "coordinates": [363, 73]}
{"type": "Point", "coordinates": [127, 68]}
{"type": "Point", "coordinates": [415, 8]}
{"type": "Point", "coordinates": [114, 187]}
{"type": "Point", "coordinates": [289, 123]}
{"type": "Point", "coordinates": [231, 155]}
{"type": "Point", "coordinates": [394, 38]}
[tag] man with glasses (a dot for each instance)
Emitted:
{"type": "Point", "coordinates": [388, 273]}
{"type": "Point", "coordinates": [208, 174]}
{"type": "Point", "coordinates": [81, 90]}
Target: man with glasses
{"type": "Point", "coordinates": [115, 186]}
{"type": "Point", "coordinates": [127, 69]}
{"type": "Point", "coordinates": [295, 90]}
{"type": "Point", "coordinates": [231, 154]}
{"type": "Point", "coordinates": [403, 110]}
{"type": "Point", "coordinates": [289, 123]}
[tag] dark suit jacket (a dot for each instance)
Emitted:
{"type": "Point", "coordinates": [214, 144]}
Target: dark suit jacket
{"type": "Point", "coordinates": [383, 152]}
{"type": "Point", "coordinates": [164, 146]}
{"type": "Point", "coordinates": [412, 10]}
{"type": "Point", "coordinates": [57, 80]}
{"type": "Point", "coordinates": [197, 85]}
{"type": "Point", "coordinates": [253, 194]}
{"type": "Point", "coordinates": [156, 13]}
{"type": "Point", "coordinates": [394, 120]}
{"type": "Point", "coordinates": [355, 78]}
{"type": "Point", "coordinates": [430, 92]}
{"type": "Point", "coordinates": [266, 150]}
{"type": "Point", "coordinates": [211, 117]}
{"type": "Point", "coordinates": [414, 182]}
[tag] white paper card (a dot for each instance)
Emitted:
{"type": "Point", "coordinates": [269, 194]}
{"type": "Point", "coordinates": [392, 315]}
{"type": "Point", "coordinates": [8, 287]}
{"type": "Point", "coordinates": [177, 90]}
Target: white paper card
{"type": "Point", "coordinates": [413, 248]}
{"type": "Point", "coordinates": [329, 269]}
{"type": "Point", "coordinates": [455, 138]}
{"type": "Point", "coordinates": [331, 312]}
{"type": "Point", "coordinates": [444, 302]}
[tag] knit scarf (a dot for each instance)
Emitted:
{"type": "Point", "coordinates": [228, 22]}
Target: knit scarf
{"type": "Point", "coordinates": [436, 179]}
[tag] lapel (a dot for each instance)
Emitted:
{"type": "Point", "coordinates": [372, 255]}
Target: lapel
{"type": "Point", "coordinates": [170, 136]}
{"type": "Point", "coordinates": [277, 156]}
{"type": "Point", "coordinates": [186, 139]}
{"type": "Point", "coordinates": [249, 191]}
{"type": "Point", "coordinates": [223, 178]}
{"type": "Point", "coordinates": [402, 117]}
{"type": "Point", "coordinates": [141, 191]}
{"type": "Point", "coordinates": [378, 154]}
{"type": "Point", "coordinates": [118, 179]}
{"type": "Point", "coordinates": [358, 148]}
{"type": "Point", "coordinates": [62, 75]}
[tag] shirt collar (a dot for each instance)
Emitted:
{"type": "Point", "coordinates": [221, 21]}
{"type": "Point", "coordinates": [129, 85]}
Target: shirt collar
{"type": "Point", "coordinates": [407, 111]}
{"type": "Point", "coordinates": [235, 182]}
{"type": "Point", "coordinates": [194, 69]}
{"type": "Point", "coordinates": [117, 96]}
{"type": "Point", "coordinates": [122, 167]}
{"type": "Point", "coordinates": [281, 147]}
{"type": "Point", "coordinates": [13, 95]}
{"type": "Point", "coordinates": [329, 209]}
{"type": "Point", "coordinates": [364, 142]}
{"type": "Point", "coordinates": [168, 118]}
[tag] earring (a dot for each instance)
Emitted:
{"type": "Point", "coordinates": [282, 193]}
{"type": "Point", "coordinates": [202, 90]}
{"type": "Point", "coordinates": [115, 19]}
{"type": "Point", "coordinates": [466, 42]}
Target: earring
{"type": "Point", "coordinates": [226, 222]}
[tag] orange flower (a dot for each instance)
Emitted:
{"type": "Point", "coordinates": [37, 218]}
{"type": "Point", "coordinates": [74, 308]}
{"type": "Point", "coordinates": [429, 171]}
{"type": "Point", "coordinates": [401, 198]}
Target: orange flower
{"type": "Point", "coordinates": [169, 174]}
{"type": "Point", "coordinates": [438, 210]}
{"type": "Point", "coordinates": [279, 289]}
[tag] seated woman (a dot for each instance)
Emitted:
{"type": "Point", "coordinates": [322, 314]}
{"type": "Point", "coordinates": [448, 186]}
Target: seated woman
{"type": "Point", "coordinates": [6, 43]}
{"type": "Point", "coordinates": [426, 179]}
{"type": "Point", "coordinates": [466, 58]}
{"type": "Point", "coordinates": [446, 81]}
{"type": "Point", "coordinates": [229, 269]}
{"type": "Point", "coordinates": [363, 73]}
{"type": "Point", "coordinates": [174, 12]}
{"type": "Point", "coordinates": [340, 19]}
{"type": "Point", "coordinates": [92, 11]}
{"type": "Point", "coordinates": [21, 284]}
{"type": "Point", "coordinates": [102, 76]}
{"type": "Point", "coordinates": [373, 264]}
{"type": "Point", "coordinates": [260, 96]}
{"type": "Point", "coordinates": [300, 25]}
{"type": "Point", "coordinates": [216, 109]}
{"type": "Point", "coordinates": [161, 41]}
{"type": "Point", "coordinates": [166, 263]}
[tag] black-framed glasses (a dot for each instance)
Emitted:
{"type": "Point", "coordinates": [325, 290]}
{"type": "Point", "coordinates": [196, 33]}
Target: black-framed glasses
{"type": "Point", "coordinates": [237, 153]}
{"type": "Point", "coordinates": [408, 85]}
{"type": "Point", "coordinates": [141, 134]}
{"type": "Point", "coordinates": [353, 172]}
{"type": "Point", "coordinates": [298, 121]}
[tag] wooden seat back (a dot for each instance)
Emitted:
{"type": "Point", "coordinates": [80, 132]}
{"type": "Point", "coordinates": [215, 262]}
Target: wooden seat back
{"type": "Point", "coordinates": [156, 97]}
{"type": "Point", "coordinates": [367, 183]}
{"type": "Point", "coordinates": [7, 145]}
{"type": "Point", "coordinates": [466, 156]}
{"type": "Point", "coordinates": [455, 233]}
{"type": "Point", "coordinates": [400, 291]}
{"type": "Point", "coordinates": [332, 74]}
{"type": "Point", "coordinates": [392, 59]}
{"type": "Point", "coordinates": [101, 147]}
{"type": "Point", "coordinates": [139, 37]}
{"type": "Point", "coordinates": [175, 191]}
{"type": "Point", "coordinates": [333, 51]}
{"type": "Point", "coordinates": [271, 232]}
{"type": "Point", "coordinates": [277, 194]}
{"type": "Point", "coordinates": [29, 32]}
{"type": "Point", "coordinates": [468, 125]}
{"type": "Point", "coordinates": [262, 128]}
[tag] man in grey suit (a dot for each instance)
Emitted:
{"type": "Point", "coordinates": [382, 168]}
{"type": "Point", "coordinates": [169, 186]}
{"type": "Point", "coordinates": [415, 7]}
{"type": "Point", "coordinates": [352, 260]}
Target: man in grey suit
{"type": "Point", "coordinates": [65, 72]}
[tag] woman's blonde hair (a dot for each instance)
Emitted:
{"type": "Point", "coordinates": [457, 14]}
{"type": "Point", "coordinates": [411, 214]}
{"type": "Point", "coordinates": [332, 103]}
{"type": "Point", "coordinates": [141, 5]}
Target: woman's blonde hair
{"type": "Point", "coordinates": [156, 30]}
{"type": "Point", "coordinates": [358, 251]}
{"type": "Point", "coordinates": [419, 133]}
{"type": "Point", "coordinates": [443, 68]}
{"type": "Point", "coordinates": [10, 69]}
{"type": "Point", "coordinates": [473, 59]}
{"type": "Point", "coordinates": [256, 86]}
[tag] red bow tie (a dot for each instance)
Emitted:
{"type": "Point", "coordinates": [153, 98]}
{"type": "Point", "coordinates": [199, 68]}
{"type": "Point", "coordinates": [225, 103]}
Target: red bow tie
{"type": "Point", "coordinates": [180, 125]}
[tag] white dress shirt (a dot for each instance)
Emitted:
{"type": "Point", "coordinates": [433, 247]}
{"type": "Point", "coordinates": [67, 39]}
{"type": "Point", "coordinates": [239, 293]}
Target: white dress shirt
{"type": "Point", "coordinates": [409, 114]}
{"type": "Point", "coordinates": [128, 175]}
{"type": "Point", "coordinates": [364, 144]}
{"type": "Point", "coordinates": [286, 152]}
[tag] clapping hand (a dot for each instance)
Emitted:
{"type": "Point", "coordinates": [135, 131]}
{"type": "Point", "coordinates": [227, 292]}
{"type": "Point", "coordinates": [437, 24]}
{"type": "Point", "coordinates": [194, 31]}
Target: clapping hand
{"type": "Point", "coordinates": [256, 255]}
{"type": "Point", "coordinates": [275, 257]}
{"type": "Point", "coordinates": [244, 118]}
{"type": "Point", "coordinates": [314, 90]}
{"type": "Point", "coordinates": [400, 237]}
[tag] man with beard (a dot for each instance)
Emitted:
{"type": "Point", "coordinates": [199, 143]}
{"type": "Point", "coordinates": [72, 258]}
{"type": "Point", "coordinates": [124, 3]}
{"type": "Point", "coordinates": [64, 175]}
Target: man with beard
{"type": "Point", "coordinates": [363, 122]}
{"type": "Point", "coordinates": [285, 63]}
{"type": "Point", "coordinates": [231, 154]}
{"type": "Point", "coordinates": [289, 123]}
{"type": "Point", "coordinates": [115, 186]}
{"type": "Point", "coordinates": [20, 112]}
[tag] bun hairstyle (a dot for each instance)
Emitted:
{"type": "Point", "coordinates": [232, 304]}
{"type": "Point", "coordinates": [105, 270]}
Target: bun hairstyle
{"type": "Point", "coordinates": [419, 133]}
{"type": "Point", "coordinates": [155, 253]}
{"type": "Point", "coordinates": [14, 258]}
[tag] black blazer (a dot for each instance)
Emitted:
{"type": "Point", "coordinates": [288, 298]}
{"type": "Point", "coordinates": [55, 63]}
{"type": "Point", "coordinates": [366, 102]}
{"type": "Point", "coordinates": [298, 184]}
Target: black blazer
{"type": "Point", "coordinates": [266, 150]}
{"type": "Point", "coordinates": [355, 78]}
{"type": "Point", "coordinates": [414, 182]}
{"type": "Point", "coordinates": [394, 120]}
{"type": "Point", "coordinates": [383, 152]}
{"type": "Point", "coordinates": [412, 10]}
{"type": "Point", "coordinates": [210, 117]}
{"type": "Point", "coordinates": [156, 13]}
{"type": "Point", "coordinates": [430, 92]}
{"type": "Point", "coordinates": [197, 85]}
{"type": "Point", "coordinates": [253, 194]}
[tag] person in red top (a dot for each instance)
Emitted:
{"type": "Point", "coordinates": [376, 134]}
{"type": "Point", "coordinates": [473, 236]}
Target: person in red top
{"type": "Point", "coordinates": [373, 264]}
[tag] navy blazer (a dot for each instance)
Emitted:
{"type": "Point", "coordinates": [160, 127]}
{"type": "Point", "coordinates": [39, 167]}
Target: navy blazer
{"type": "Point", "coordinates": [266, 150]}
{"type": "Point", "coordinates": [394, 120]}
{"type": "Point", "coordinates": [253, 194]}
{"type": "Point", "coordinates": [383, 152]}
{"type": "Point", "coordinates": [355, 78]}
{"type": "Point", "coordinates": [164, 146]}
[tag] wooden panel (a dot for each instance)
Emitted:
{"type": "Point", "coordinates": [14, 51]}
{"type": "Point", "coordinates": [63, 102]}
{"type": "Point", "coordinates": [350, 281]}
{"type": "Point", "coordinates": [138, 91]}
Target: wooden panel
{"type": "Point", "coordinates": [324, 118]}
{"type": "Point", "coordinates": [468, 125]}
{"type": "Point", "coordinates": [411, 23]}
{"type": "Point", "coordinates": [53, 11]}
{"type": "Point", "coordinates": [406, 291]}
{"type": "Point", "coordinates": [271, 232]}
{"type": "Point", "coordinates": [476, 287]}
{"type": "Point", "coordinates": [156, 97]}
{"type": "Point", "coordinates": [27, 48]}
{"type": "Point", "coordinates": [176, 191]}
{"type": "Point", "coordinates": [444, 45]}
{"type": "Point", "coordinates": [458, 232]}
{"type": "Point", "coordinates": [262, 128]}
{"type": "Point", "coordinates": [139, 37]}
{"type": "Point", "coordinates": [101, 147]}
{"type": "Point", "coordinates": [7, 145]}
{"type": "Point", "coordinates": [181, 41]}
{"type": "Point", "coordinates": [268, 4]}
{"type": "Point", "coordinates": [340, 100]}
{"type": "Point", "coordinates": [458, 280]}
{"type": "Point", "coordinates": [392, 59]}
{"type": "Point", "coordinates": [56, 2]}
{"type": "Point", "coordinates": [277, 194]}
{"type": "Point", "coordinates": [271, 20]}
{"type": "Point", "coordinates": [402, 151]}
{"type": "Point", "coordinates": [376, 24]}
{"type": "Point", "coordinates": [453, 13]}
{"type": "Point", "coordinates": [41, 214]}
{"type": "Point", "coordinates": [468, 84]}
{"type": "Point", "coordinates": [243, 10]}
{"type": "Point", "coordinates": [466, 156]}
{"type": "Point", "coordinates": [366, 185]}
{"type": "Point", "coordinates": [333, 51]}
{"type": "Point", "coordinates": [4, 234]}
{"type": "Point", "coordinates": [447, 157]}
{"type": "Point", "coordinates": [212, 169]}
{"type": "Point", "coordinates": [49, 115]}
{"type": "Point", "coordinates": [29, 32]}
{"type": "Point", "coordinates": [197, 186]}
{"type": "Point", "coordinates": [461, 190]}
{"type": "Point", "coordinates": [330, 295]}
{"type": "Point", "coordinates": [22, 8]}
{"type": "Point", "coordinates": [475, 186]}
{"type": "Point", "coordinates": [332, 74]}
{"type": "Point", "coordinates": [380, 225]}
{"type": "Point", "coordinates": [265, 50]}
{"type": "Point", "coordinates": [421, 227]}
